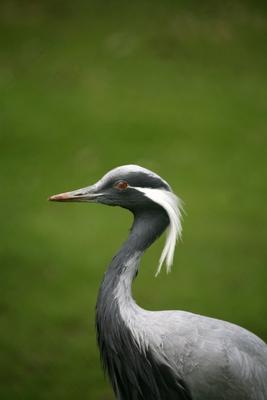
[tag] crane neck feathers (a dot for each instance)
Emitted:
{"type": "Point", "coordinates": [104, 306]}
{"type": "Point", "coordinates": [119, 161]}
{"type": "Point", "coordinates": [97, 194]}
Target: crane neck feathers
{"type": "Point", "coordinates": [131, 352]}
{"type": "Point", "coordinates": [148, 225]}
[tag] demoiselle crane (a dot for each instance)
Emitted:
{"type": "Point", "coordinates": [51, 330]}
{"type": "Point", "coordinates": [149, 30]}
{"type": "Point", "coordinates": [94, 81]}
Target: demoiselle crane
{"type": "Point", "coordinates": [163, 355]}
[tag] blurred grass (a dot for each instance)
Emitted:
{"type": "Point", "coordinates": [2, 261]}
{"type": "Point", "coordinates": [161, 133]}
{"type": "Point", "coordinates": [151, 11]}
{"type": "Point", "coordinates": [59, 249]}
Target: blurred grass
{"type": "Point", "coordinates": [178, 87]}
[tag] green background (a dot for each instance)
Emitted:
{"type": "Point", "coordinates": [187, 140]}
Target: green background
{"type": "Point", "coordinates": [177, 87]}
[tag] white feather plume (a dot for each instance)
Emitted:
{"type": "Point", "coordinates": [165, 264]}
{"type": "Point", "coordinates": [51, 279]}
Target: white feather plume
{"type": "Point", "coordinates": [173, 206]}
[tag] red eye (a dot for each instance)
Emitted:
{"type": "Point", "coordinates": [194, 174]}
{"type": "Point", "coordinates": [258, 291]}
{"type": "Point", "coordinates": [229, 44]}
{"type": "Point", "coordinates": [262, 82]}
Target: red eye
{"type": "Point", "coordinates": [121, 185]}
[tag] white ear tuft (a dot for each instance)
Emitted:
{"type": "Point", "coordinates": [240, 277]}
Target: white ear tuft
{"type": "Point", "coordinates": [173, 206]}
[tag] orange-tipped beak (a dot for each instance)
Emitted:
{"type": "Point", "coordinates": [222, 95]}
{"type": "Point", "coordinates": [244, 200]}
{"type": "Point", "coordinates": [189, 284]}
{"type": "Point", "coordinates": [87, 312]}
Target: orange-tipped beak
{"type": "Point", "coordinates": [61, 197]}
{"type": "Point", "coordinates": [85, 194]}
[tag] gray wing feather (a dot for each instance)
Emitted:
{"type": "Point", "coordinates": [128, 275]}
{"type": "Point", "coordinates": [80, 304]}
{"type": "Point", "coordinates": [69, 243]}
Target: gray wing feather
{"type": "Point", "coordinates": [217, 359]}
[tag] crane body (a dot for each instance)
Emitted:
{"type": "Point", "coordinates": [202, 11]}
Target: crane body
{"type": "Point", "coordinates": [163, 355]}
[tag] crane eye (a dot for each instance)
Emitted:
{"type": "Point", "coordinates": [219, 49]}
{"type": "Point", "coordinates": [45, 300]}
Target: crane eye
{"type": "Point", "coordinates": [121, 185]}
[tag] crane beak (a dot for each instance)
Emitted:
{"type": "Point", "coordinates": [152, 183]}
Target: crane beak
{"type": "Point", "coordinates": [86, 194]}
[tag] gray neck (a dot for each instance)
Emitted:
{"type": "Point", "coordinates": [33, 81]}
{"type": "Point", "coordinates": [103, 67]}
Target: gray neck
{"type": "Point", "coordinates": [116, 340]}
{"type": "Point", "coordinates": [133, 369]}
{"type": "Point", "coordinates": [148, 225]}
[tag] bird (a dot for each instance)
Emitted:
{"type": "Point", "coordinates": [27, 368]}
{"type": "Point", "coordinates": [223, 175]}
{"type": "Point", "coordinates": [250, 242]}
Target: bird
{"type": "Point", "coordinates": [163, 355]}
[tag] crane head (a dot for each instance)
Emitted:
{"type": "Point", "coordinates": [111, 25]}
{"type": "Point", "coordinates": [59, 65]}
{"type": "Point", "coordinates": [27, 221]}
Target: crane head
{"type": "Point", "coordinates": [123, 186]}
{"type": "Point", "coordinates": [135, 188]}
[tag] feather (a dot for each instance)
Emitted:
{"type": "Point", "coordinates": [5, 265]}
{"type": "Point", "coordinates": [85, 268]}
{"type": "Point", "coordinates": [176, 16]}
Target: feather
{"type": "Point", "coordinates": [173, 206]}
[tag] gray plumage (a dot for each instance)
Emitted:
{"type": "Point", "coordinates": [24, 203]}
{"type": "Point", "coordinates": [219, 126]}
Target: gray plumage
{"type": "Point", "coordinates": [163, 355]}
